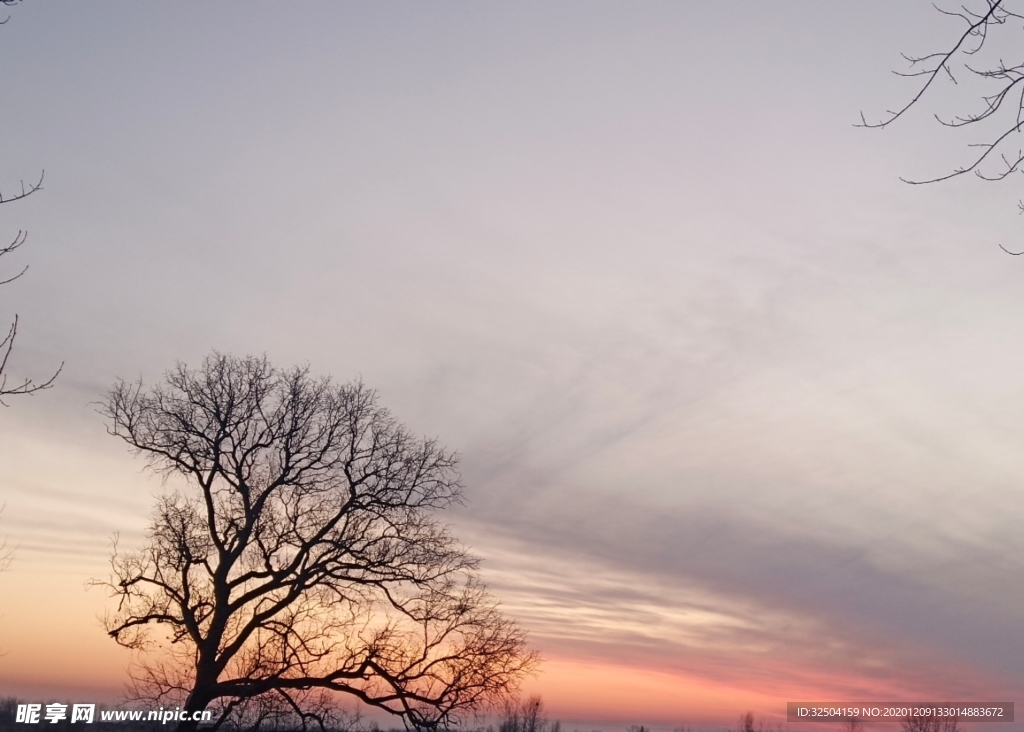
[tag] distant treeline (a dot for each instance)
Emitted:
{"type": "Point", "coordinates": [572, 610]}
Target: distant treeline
{"type": "Point", "coordinates": [515, 716]}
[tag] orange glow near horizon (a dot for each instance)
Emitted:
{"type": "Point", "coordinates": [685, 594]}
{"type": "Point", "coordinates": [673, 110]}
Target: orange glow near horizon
{"type": "Point", "coordinates": [604, 692]}
{"type": "Point", "coordinates": [60, 653]}
{"type": "Point", "coordinates": [57, 647]}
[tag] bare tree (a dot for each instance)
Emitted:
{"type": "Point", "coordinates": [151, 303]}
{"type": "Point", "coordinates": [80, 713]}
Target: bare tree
{"type": "Point", "coordinates": [928, 723]}
{"type": "Point", "coordinates": [25, 386]}
{"type": "Point", "coordinates": [511, 717]}
{"type": "Point", "coordinates": [747, 722]}
{"type": "Point", "coordinates": [304, 555]}
{"type": "Point", "coordinates": [990, 30]}
{"type": "Point", "coordinates": [6, 552]}
{"type": "Point", "coordinates": [6, 555]}
{"type": "Point", "coordinates": [526, 715]}
{"type": "Point", "coordinates": [269, 713]}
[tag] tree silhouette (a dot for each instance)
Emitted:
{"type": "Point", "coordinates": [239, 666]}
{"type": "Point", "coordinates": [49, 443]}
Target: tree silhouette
{"type": "Point", "coordinates": [303, 558]}
{"type": "Point", "coordinates": [990, 31]}
{"type": "Point", "coordinates": [25, 386]}
{"type": "Point", "coordinates": [928, 723]}
{"type": "Point", "coordinates": [747, 722]}
{"type": "Point", "coordinates": [6, 553]}
{"type": "Point", "coordinates": [525, 715]}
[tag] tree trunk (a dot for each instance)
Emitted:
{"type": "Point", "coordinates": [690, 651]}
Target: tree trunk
{"type": "Point", "coordinates": [199, 698]}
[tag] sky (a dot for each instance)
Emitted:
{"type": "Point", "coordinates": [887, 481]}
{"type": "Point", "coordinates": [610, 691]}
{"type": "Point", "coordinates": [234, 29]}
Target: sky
{"type": "Point", "coordinates": [739, 413]}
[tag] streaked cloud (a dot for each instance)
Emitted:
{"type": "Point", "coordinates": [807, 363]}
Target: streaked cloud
{"type": "Point", "coordinates": [739, 413]}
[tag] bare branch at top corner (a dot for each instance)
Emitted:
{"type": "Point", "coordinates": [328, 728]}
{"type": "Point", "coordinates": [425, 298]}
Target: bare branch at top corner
{"type": "Point", "coordinates": [936, 64]}
{"type": "Point", "coordinates": [9, 4]}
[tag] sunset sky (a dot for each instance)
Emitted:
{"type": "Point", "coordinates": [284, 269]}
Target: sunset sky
{"type": "Point", "coordinates": [740, 414]}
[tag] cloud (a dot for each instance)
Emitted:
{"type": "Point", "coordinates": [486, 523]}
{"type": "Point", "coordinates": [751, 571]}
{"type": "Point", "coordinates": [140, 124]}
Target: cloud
{"type": "Point", "coordinates": [704, 595]}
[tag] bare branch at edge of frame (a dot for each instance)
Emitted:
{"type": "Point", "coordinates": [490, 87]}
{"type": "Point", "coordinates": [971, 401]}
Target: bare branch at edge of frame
{"type": "Point", "coordinates": [8, 4]}
{"type": "Point", "coordinates": [977, 27]}
{"type": "Point", "coordinates": [28, 386]}
{"type": "Point", "coordinates": [26, 191]}
{"type": "Point", "coordinates": [970, 42]}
